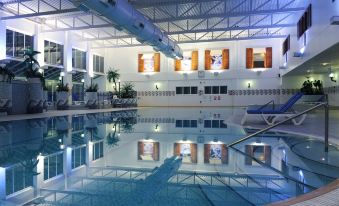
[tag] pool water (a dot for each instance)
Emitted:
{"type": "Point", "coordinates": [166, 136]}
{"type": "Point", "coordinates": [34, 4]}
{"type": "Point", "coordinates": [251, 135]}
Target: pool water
{"type": "Point", "coordinates": [156, 156]}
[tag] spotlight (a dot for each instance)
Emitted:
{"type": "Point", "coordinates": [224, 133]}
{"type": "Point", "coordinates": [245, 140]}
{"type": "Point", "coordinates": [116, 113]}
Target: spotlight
{"type": "Point", "coordinates": [331, 75]}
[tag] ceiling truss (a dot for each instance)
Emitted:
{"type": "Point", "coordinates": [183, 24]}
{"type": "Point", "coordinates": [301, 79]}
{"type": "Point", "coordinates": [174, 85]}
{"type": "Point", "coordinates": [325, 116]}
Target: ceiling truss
{"type": "Point", "coordinates": [185, 21]}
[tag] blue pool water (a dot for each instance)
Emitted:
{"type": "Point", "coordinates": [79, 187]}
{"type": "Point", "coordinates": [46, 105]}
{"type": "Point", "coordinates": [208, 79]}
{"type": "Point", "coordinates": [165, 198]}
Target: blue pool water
{"type": "Point", "coordinates": [156, 156]}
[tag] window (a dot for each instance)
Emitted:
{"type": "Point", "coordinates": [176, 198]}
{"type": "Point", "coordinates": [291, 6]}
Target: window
{"type": "Point", "coordinates": [17, 43]}
{"type": "Point", "coordinates": [53, 166]}
{"type": "Point", "coordinates": [305, 21]}
{"type": "Point", "coordinates": [179, 90]}
{"type": "Point", "coordinates": [78, 59]}
{"type": "Point", "coordinates": [78, 157]}
{"type": "Point", "coordinates": [54, 53]}
{"type": "Point", "coordinates": [186, 90]}
{"type": "Point", "coordinates": [98, 64]}
{"type": "Point", "coordinates": [215, 89]}
{"type": "Point", "coordinates": [208, 90]}
{"type": "Point", "coordinates": [286, 45]}
{"type": "Point", "coordinates": [194, 90]}
{"type": "Point", "coordinates": [214, 124]}
{"type": "Point", "coordinates": [17, 178]}
{"type": "Point", "coordinates": [186, 123]}
{"type": "Point", "coordinates": [223, 89]}
{"type": "Point", "coordinates": [98, 150]}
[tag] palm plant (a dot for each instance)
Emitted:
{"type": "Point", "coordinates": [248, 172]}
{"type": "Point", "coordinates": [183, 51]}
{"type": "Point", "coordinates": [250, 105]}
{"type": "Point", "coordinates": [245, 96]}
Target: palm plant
{"type": "Point", "coordinates": [92, 88]}
{"type": "Point", "coordinates": [127, 90]}
{"type": "Point", "coordinates": [33, 65]}
{"type": "Point", "coordinates": [112, 77]}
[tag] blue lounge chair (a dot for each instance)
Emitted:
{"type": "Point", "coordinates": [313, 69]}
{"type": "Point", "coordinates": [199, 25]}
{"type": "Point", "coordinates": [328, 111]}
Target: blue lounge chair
{"type": "Point", "coordinates": [271, 112]}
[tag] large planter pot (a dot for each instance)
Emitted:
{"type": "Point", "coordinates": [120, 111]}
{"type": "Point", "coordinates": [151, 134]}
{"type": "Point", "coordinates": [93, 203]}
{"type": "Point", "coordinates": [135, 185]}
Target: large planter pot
{"type": "Point", "coordinates": [62, 100]}
{"type": "Point", "coordinates": [91, 100]}
{"type": "Point", "coordinates": [5, 97]}
{"type": "Point", "coordinates": [128, 102]}
{"type": "Point", "coordinates": [35, 96]}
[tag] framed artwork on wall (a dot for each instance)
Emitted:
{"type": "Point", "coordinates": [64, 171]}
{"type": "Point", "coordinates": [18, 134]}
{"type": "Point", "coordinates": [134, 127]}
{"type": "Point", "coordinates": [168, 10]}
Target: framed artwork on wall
{"type": "Point", "coordinates": [188, 63]}
{"type": "Point", "coordinates": [217, 59]}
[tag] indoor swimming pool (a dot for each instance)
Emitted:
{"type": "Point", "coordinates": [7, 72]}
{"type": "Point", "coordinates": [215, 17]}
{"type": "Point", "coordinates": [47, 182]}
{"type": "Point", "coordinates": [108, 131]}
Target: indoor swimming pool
{"type": "Point", "coordinates": [156, 156]}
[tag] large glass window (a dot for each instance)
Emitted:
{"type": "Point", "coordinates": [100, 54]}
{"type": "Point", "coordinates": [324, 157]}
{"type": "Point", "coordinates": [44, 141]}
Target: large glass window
{"type": "Point", "coordinates": [53, 166]}
{"type": "Point", "coordinates": [18, 178]}
{"type": "Point", "coordinates": [78, 59]}
{"type": "Point", "coordinates": [17, 43]}
{"type": "Point", "coordinates": [78, 157]}
{"type": "Point", "coordinates": [98, 64]}
{"type": "Point", "coordinates": [54, 53]}
{"type": "Point", "coordinates": [98, 150]}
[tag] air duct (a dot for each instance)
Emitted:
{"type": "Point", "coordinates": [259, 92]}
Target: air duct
{"type": "Point", "coordinates": [124, 17]}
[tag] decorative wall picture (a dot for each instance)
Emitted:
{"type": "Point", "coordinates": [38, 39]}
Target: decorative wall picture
{"type": "Point", "coordinates": [217, 59]}
{"type": "Point", "coordinates": [215, 154]}
{"type": "Point", "coordinates": [188, 63]}
{"type": "Point", "coordinates": [259, 58]}
{"type": "Point", "coordinates": [187, 151]}
{"type": "Point", "coordinates": [148, 151]}
{"type": "Point", "coordinates": [261, 153]}
{"type": "Point", "coordinates": [149, 62]}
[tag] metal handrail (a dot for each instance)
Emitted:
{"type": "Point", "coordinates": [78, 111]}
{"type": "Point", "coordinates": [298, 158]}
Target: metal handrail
{"type": "Point", "coordinates": [325, 104]}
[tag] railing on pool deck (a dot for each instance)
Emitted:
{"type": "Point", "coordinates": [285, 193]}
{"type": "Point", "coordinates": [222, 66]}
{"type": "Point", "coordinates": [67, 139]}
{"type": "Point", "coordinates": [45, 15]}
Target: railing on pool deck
{"type": "Point", "coordinates": [323, 104]}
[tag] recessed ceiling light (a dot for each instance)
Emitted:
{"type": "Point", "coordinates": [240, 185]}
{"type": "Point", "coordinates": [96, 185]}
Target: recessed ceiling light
{"type": "Point", "coordinates": [325, 64]}
{"type": "Point", "coordinates": [308, 71]}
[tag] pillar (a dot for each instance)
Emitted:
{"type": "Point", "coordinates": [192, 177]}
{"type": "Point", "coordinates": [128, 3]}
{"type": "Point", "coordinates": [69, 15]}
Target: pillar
{"type": "Point", "coordinates": [39, 44]}
{"type": "Point", "coordinates": [2, 38]}
{"type": "Point", "coordinates": [2, 183]}
{"type": "Point", "coordinates": [89, 65]}
{"type": "Point", "coordinates": [68, 63]}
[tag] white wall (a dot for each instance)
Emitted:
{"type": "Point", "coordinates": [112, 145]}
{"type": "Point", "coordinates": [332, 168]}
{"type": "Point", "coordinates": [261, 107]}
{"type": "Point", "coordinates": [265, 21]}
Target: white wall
{"type": "Point", "coordinates": [236, 78]}
{"type": "Point", "coordinates": [319, 37]}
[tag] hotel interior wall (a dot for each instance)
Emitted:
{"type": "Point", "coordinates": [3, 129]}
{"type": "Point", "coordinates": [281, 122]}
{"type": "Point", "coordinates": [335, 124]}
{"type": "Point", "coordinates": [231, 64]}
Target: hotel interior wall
{"type": "Point", "coordinates": [236, 78]}
{"type": "Point", "coordinates": [320, 36]}
{"type": "Point", "coordinates": [68, 39]}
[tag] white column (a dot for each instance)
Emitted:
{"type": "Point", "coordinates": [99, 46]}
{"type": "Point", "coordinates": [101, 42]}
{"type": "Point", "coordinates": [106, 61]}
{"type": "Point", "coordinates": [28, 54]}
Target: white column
{"type": "Point", "coordinates": [2, 183]}
{"type": "Point", "coordinates": [39, 44]}
{"type": "Point", "coordinates": [68, 63]}
{"type": "Point", "coordinates": [89, 65]}
{"type": "Point", "coordinates": [67, 166]}
{"type": "Point", "coordinates": [89, 152]}
{"type": "Point", "coordinates": [38, 180]}
{"type": "Point", "coordinates": [2, 38]}
{"type": "Point", "coordinates": [200, 152]}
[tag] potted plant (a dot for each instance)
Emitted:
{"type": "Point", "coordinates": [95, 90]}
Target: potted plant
{"type": "Point", "coordinates": [91, 96]}
{"type": "Point", "coordinates": [35, 80]}
{"type": "Point", "coordinates": [6, 77]}
{"type": "Point", "coordinates": [313, 91]}
{"type": "Point", "coordinates": [62, 96]}
{"type": "Point", "coordinates": [128, 94]}
{"type": "Point", "coordinates": [112, 77]}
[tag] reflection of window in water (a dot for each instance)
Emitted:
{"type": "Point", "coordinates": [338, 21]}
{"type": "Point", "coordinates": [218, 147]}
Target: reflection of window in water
{"type": "Point", "coordinates": [148, 148]}
{"type": "Point", "coordinates": [259, 154]}
{"type": "Point", "coordinates": [215, 151]}
{"type": "Point", "coordinates": [259, 57]}
{"type": "Point", "coordinates": [185, 149]}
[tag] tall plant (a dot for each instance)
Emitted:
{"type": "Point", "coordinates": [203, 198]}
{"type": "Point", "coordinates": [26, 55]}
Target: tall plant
{"type": "Point", "coordinates": [33, 65]}
{"type": "Point", "coordinates": [127, 90]}
{"type": "Point", "coordinates": [112, 77]}
{"type": "Point", "coordinates": [6, 73]}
